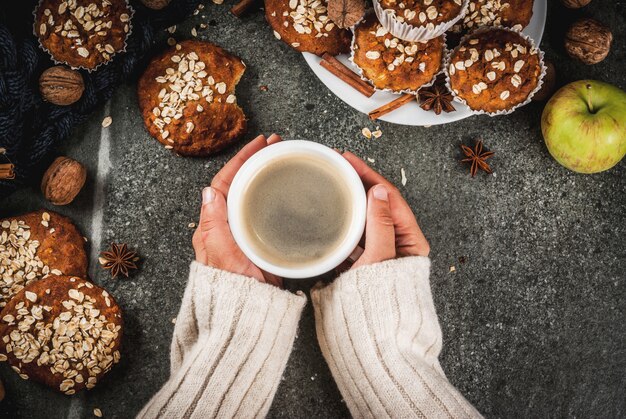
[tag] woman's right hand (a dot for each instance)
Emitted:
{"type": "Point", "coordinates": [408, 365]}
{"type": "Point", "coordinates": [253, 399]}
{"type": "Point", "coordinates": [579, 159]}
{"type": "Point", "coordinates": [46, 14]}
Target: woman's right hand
{"type": "Point", "coordinates": [391, 230]}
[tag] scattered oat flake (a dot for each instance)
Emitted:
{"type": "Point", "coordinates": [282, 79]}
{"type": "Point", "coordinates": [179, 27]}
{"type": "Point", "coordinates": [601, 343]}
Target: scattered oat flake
{"type": "Point", "coordinates": [371, 160]}
{"type": "Point", "coordinates": [97, 412]}
{"type": "Point", "coordinates": [107, 121]}
{"type": "Point", "coordinates": [174, 320]}
{"type": "Point", "coordinates": [366, 132]}
{"type": "Point", "coordinates": [452, 269]}
{"type": "Point", "coordinates": [377, 134]}
{"type": "Point", "coordinates": [191, 225]}
{"type": "Point", "coordinates": [171, 29]}
{"type": "Point", "coordinates": [194, 32]}
{"type": "Point", "coordinates": [403, 173]}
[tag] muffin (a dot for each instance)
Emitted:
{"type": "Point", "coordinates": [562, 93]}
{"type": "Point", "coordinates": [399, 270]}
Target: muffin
{"type": "Point", "coordinates": [187, 98]}
{"type": "Point", "coordinates": [83, 33]}
{"type": "Point", "coordinates": [514, 14]}
{"type": "Point", "coordinates": [392, 64]}
{"type": "Point", "coordinates": [305, 26]}
{"type": "Point", "coordinates": [63, 332]}
{"type": "Point", "coordinates": [495, 70]}
{"type": "Point", "coordinates": [35, 245]}
{"type": "Point", "coordinates": [419, 20]}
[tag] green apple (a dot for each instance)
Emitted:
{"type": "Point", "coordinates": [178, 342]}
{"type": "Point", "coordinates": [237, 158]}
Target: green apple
{"type": "Point", "coordinates": [584, 126]}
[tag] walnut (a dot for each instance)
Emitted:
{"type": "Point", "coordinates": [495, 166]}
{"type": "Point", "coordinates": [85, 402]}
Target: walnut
{"type": "Point", "coordinates": [549, 84]}
{"type": "Point", "coordinates": [155, 4]}
{"type": "Point", "coordinates": [63, 181]}
{"type": "Point", "coordinates": [589, 41]}
{"type": "Point", "coordinates": [61, 86]}
{"type": "Point", "coordinates": [575, 4]}
{"type": "Point", "coordinates": [346, 13]}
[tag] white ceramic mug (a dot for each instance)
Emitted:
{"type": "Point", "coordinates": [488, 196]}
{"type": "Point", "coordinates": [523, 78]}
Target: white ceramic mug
{"type": "Point", "coordinates": [298, 148]}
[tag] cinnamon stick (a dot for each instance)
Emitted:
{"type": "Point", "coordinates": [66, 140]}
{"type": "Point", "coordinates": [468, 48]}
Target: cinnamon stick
{"type": "Point", "coordinates": [240, 8]}
{"type": "Point", "coordinates": [348, 76]}
{"type": "Point", "coordinates": [391, 106]}
{"type": "Point", "coordinates": [6, 171]}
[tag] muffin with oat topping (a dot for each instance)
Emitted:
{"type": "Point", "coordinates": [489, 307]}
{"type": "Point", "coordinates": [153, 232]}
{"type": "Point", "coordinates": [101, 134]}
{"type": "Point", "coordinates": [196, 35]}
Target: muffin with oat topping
{"type": "Point", "coordinates": [187, 98]}
{"type": "Point", "coordinates": [305, 26]}
{"type": "Point", "coordinates": [495, 70]}
{"type": "Point", "coordinates": [35, 245]}
{"type": "Point", "coordinates": [83, 33]}
{"type": "Point", "coordinates": [62, 331]}
{"type": "Point", "coordinates": [392, 64]}
{"type": "Point", "coordinates": [419, 20]}
{"type": "Point", "coordinates": [514, 14]}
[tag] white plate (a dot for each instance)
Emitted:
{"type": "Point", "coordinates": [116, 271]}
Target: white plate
{"type": "Point", "coordinates": [411, 113]}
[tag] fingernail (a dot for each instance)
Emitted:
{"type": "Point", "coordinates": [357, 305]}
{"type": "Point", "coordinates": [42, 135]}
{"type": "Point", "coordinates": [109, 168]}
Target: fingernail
{"type": "Point", "coordinates": [380, 192]}
{"type": "Point", "coordinates": [208, 195]}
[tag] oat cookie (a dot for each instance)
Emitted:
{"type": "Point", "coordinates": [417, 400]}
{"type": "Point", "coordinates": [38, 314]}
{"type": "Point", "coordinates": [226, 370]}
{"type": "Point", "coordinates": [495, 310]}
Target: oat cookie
{"type": "Point", "coordinates": [61, 331]}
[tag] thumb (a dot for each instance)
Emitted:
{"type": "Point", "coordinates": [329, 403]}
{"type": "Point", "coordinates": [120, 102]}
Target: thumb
{"type": "Point", "coordinates": [380, 238]}
{"type": "Point", "coordinates": [213, 217]}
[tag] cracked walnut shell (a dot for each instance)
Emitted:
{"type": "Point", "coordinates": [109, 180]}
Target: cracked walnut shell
{"type": "Point", "coordinates": [61, 86]}
{"type": "Point", "coordinates": [63, 181]}
{"type": "Point", "coordinates": [589, 41]}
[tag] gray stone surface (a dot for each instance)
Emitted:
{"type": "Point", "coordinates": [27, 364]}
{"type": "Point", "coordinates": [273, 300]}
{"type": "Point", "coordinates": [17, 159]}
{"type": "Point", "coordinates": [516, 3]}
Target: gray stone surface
{"type": "Point", "coordinates": [533, 320]}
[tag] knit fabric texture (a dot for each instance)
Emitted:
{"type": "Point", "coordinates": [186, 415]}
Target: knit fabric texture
{"type": "Point", "coordinates": [378, 330]}
{"type": "Point", "coordinates": [376, 325]}
{"type": "Point", "coordinates": [30, 128]}
{"type": "Point", "coordinates": [232, 339]}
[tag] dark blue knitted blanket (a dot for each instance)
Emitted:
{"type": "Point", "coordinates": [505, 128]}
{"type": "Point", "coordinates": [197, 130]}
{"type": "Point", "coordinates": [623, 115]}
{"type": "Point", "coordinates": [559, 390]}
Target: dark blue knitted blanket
{"type": "Point", "coordinates": [30, 129]}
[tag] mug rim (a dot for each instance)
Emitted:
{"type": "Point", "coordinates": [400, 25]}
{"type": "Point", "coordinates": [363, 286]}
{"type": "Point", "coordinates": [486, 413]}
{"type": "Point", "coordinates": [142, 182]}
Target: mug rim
{"type": "Point", "coordinates": [259, 160]}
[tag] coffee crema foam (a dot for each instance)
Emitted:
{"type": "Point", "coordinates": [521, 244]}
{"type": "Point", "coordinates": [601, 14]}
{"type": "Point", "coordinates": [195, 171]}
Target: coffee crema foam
{"type": "Point", "coordinates": [296, 211]}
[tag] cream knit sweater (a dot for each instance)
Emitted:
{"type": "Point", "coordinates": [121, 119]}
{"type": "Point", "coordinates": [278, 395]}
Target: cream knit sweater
{"type": "Point", "coordinates": [376, 325]}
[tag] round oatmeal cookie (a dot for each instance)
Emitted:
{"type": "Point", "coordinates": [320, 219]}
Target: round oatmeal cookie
{"type": "Point", "coordinates": [514, 14]}
{"type": "Point", "coordinates": [62, 331]}
{"type": "Point", "coordinates": [495, 70]}
{"type": "Point", "coordinates": [83, 33]}
{"type": "Point", "coordinates": [305, 26]}
{"type": "Point", "coordinates": [35, 245]}
{"type": "Point", "coordinates": [392, 64]}
{"type": "Point", "coordinates": [187, 98]}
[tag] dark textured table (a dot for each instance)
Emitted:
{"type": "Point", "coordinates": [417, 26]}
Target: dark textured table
{"type": "Point", "coordinates": [534, 317]}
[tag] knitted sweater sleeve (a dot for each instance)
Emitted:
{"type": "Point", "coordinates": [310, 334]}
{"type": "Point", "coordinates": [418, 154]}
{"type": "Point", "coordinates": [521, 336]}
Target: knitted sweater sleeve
{"type": "Point", "coordinates": [378, 330]}
{"type": "Point", "coordinates": [232, 340]}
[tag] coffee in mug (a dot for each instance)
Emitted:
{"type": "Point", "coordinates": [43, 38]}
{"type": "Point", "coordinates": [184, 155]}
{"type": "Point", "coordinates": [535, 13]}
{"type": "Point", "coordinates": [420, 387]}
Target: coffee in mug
{"type": "Point", "coordinates": [297, 209]}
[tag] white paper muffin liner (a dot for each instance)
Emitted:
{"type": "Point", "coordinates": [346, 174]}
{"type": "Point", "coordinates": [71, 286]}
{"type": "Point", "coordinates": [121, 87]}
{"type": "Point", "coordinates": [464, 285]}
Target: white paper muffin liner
{"type": "Point", "coordinates": [131, 13]}
{"type": "Point", "coordinates": [413, 92]}
{"type": "Point", "coordinates": [484, 29]}
{"type": "Point", "coordinates": [408, 32]}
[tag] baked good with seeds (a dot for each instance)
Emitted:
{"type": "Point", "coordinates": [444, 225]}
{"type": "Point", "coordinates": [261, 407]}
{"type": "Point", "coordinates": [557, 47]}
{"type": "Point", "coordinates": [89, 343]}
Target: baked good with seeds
{"type": "Point", "coordinates": [495, 70]}
{"type": "Point", "coordinates": [514, 14]}
{"type": "Point", "coordinates": [419, 20]}
{"type": "Point", "coordinates": [35, 245]}
{"type": "Point", "coordinates": [83, 33]}
{"type": "Point", "coordinates": [187, 98]}
{"type": "Point", "coordinates": [62, 331]}
{"type": "Point", "coordinates": [392, 64]}
{"type": "Point", "coordinates": [305, 26]}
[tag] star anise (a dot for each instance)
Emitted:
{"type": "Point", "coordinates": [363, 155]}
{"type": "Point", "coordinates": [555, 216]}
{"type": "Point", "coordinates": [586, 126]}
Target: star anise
{"type": "Point", "coordinates": [477, 157]}
{"type": "Point", "coordinates": [436, 97]}
{"type": "Point", "coordinates": [118, 259]}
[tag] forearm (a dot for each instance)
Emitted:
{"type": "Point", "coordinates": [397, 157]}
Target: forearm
{"type": "Point", "coordinates": [232, 340]}
{"type": "Point", "coordinates": [379, 333]}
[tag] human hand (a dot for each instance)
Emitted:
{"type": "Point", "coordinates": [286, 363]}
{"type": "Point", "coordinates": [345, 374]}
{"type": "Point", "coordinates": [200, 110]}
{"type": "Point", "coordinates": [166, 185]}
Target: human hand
{"type": "Point", "coordinates": [213, 241]}
{"type": "Point", "coordinates": [391, 229]}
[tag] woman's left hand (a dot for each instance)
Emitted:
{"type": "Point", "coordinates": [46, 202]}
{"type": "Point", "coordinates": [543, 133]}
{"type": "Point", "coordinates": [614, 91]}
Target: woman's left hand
{"type": "Point", "coordinates": [212, 241]}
